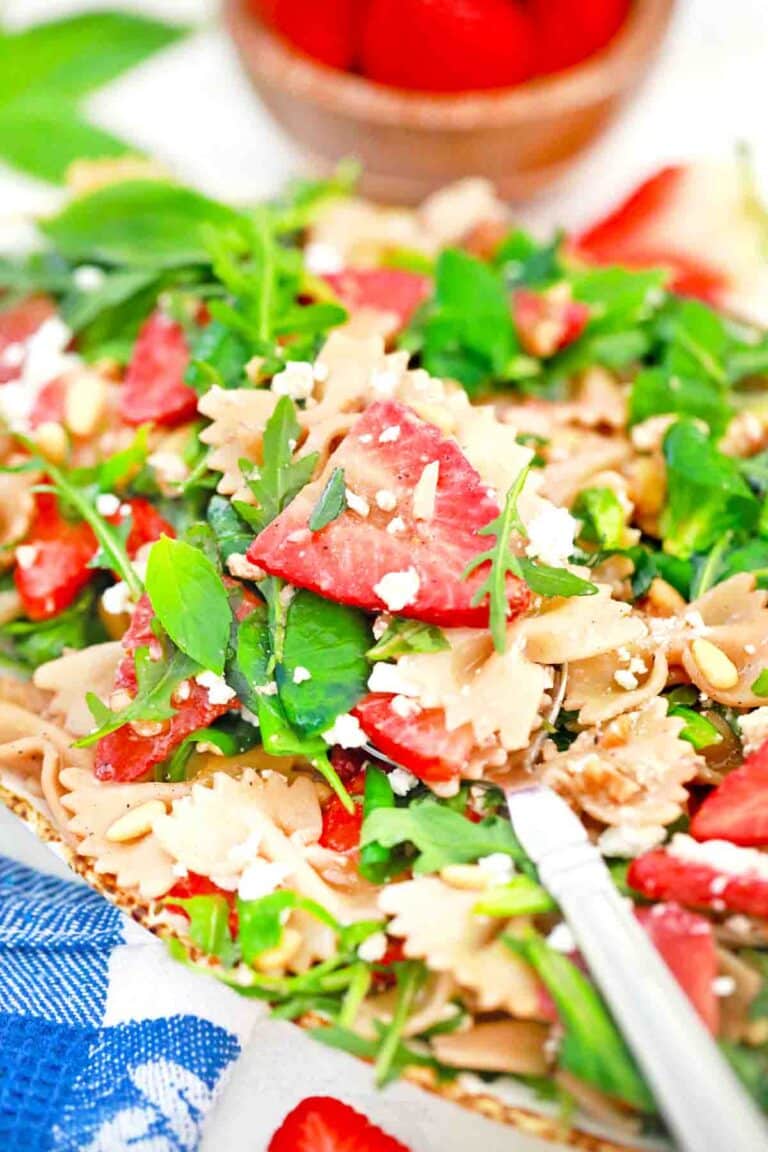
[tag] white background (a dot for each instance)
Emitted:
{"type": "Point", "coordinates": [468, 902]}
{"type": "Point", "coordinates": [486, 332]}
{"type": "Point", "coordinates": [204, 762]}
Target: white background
{"type": "Point", "coordinates": [193, 108]}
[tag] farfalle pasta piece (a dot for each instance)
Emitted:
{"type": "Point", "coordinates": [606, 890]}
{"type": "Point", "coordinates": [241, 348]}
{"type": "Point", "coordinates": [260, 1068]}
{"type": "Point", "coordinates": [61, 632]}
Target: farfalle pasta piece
{"type": "Point", "coordinates": [142, 864]}
{"type": "Point", "coordinates": [238, 417]}
{"type": "Point", "coordinates": [499, 694]}
{"type": "Point", "coordinates": [436, 924]}
{"type": "Point", "coordinates": [633, 771]}
{"type": "Point", "coordinates": [579, 628]}
{"type": "Point", "coordinates": [574, 457]}
{"type": "Point", "coordinates": [607, 685]}
{"type": "Point", "coordinates": [432, 1005]}
{"type": "Point", "coordinates": [71, 676]}
{"type": "Point", "coordinates": [514, 1047]}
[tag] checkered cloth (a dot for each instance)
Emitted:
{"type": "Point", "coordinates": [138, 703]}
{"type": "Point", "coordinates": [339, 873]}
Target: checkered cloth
{"type": "Point", "coordinates": [98, 1049]}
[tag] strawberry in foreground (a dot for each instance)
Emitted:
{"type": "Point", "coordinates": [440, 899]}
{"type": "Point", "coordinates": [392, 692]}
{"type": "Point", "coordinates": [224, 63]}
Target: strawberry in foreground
{"type": "Point", "coordinates": [445, 46]}
{"type": "Point", "coordinates": [323, 1124]}
{"type": "Point", "coordinates": [661, 876]}
{"type": "Point", "coordinates": [687, 945]}
{"type": "Point", "coordinates": [737, 810]}
{"type": "Point", "coordinates": [53, 563]}
{"type": "Point", "coordinates": [154, 388]}
{"type": "Point", "coordinates": [392, 290]}
{"type": "Point", "coordinates": [407, 559]}
{"type": "Point", "coordinates": [421, 742]}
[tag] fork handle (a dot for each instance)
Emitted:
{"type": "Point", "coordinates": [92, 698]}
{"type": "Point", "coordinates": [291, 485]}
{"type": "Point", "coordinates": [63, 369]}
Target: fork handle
{"type": "Point", "coordinates": [705, 1105]}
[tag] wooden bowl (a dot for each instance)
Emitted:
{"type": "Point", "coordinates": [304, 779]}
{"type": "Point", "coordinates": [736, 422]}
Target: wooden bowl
{"type": "Point", "coordinates": [409, 143]}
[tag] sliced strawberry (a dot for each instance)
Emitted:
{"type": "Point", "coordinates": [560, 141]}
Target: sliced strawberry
{"type": "Point", "coordinates": [147, 524]}
{"type": "Point", "coordinates": [737, 810]}
{"type": "Point", "coordinates": [665, 224]}
{"type": "Point", "coordinates": [547, 322]}
{"type": "Point", "coordinates": [421, 743]}
{"type": "Point", "coordinates": [52, 564]}
{"type": "Point", "coordinates": [17, 324]}
{"type": "Point", "coordinates": [385, 289]}
{"type": "Point", "coordinates": [567, 31]}
{"type": "Point", "coordinates": [341, 829]}
{"type": "Point", "coordinates": [322, 1124]}
{"type": "Point", "coordinates": [153, 389]}
{"type": "Point", "coordinates": [125, 754]}
{"type": "Point", "coordinates": [324, 29]}
{"type": "Point", "coordinates": [687, 944]}
{"type": "Point", "coordinates": [49, 404]}
{"type": "Point", "coordinates": [445, 46]}
{"type": "Point", "coordinates": [422, 560]}
{"type": "Point", "coordinates": [661, 876]}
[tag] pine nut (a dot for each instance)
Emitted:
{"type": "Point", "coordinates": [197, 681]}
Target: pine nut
{"type": "Point", "coordinates": [279, 957]}
{"type": "Point", "coordinates": [664, 599]}
{"type": "Point", "coordinates": [136, 822]}
{"type": "Point", "coordinates": [52, 441]}
{"type": "Point", "coordinates": [85, 403]}
{"type": "Point", "coordinates": [716, 668]}
{"type": "Point", "coordinates": [467, 877]}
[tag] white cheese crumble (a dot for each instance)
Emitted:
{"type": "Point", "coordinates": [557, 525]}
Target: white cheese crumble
{"type": "Point", "coordinates": [357, 503]}
{"type": "Point", "coordinates": [629, 840]}
{"type": "Point", "coordinates": [26, 555]}
{"type": "Point", "coordinates": [168, 467]}
{"type": "Point", "coordinates": [373, 949]}
{"type": "Point", "coordinates": [301, 674]}
{"type": "Point", "coordinates": [561, 939]}
{"type": "Point", "coordinates": [107, 504]}
{"type": "Point", "coordinates": [88, 278]}
{"type": "Point", "coordinates": [43, 357]}
{"type": "Point", "coordinates": [322, 259]}
{"type": "Point", "coordinates": [551, 536]}
{"type": "Point", "coordinates": [405, 707]}
{"type": "Point", "coordinates": [346, 732]}
{"type": "Point", "coordinates": [384, 383]}
{"type": "Point", "coordinates": [261, 878]}
{"type": "Point", "coordinates": [219, 692]}
{"type": "Point", "coordinates": [117, 600]}
{"type": "Point", "coordinates": [401, 781]}
{"type": "Point", "coordinates": [13, 355]}
{"type": "Point", "coordinates": [723, 986]}
{"type": "Point", "coordinates": [296, 380]}
{"type": "Point", "coordinates": [396, 526]}
{"type": "Point", "coordinates": [498, 867]}
{"type": "Point", "coordinates": [753, 726]}
{"type": "Point", "coordinates": [398, 589]}
{"type": "Point", "coordinates": [390, 435]}
{"type": "Point", "coordinates": [389, 678]}
{"type": "Point", "coordinates": [720, 855]}
{"type": "Point", "coordinates": [386, 500]}
{"type": "Point", "coordinates": [425, 492]}
{"type": "Point", "coordinates": [625, 679]}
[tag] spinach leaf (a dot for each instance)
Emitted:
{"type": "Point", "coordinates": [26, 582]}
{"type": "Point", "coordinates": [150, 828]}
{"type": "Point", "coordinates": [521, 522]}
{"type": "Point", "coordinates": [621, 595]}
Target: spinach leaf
{"type": "Point", "coordinates": [190, 601]}
{"type": "Point", "coordinates": [233, 535]}
{"type": "Point", "coordinates": [405, 636]}
{"type": "Point", "coordinates": [68, 137]}
{"type": "Point", "coordinates": [655, 392]}
{"type": "Point", "coordinates": [34, 642]}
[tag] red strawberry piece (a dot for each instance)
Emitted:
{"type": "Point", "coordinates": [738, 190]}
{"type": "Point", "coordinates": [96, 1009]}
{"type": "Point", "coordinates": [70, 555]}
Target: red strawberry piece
{"type": "Point", "coordinates": [567, 31]}
{"type": "Point", "coordinates": [661, 876]}
{"type": "Point", "coordinates": [326, 30]}
{"type": "Point", "coordinates": [322, 1124]}
{"type": "Point", "coordinates": [687, 945]}
{"type": "Point", "coordinates": [547, 322]}
{"type": "Point", "coordinates": [195, 885]}
{"type": "Point", "coordinates": [17, 324]}
{"type": "Point", "coordinates": [416, 564]}
{"type": "Point", "coordinates": [341, 828]}
{"type": "Point", "coordinates": [153, 389]}
{"type": "Point", "coordinates": [147, 525]}
{"type": "Point", "coordinates": [52, 564]}
{"type": "Point", "coordinates": [126, 754]}
{"type": "Point", "coordinates": [49, 404]}
{"type": "Point", "coordinates": [737, 810]}
{"type": "Point", "coordinates": [384, 289]}
{"type": "Point", "coordinates": [448, 45]}
{"type": "Point", "coordinates": [641, 233]}
{"type": "Point", "coordinates": [421, 742]}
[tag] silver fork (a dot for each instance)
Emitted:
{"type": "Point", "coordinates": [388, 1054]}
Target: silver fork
{"type": "Point", "coordinates": [705, 1106]}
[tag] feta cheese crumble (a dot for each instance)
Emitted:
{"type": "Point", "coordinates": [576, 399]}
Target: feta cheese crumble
{"type": "Point", "coordinates": [346, 732]}
{"type": "Point", "coordinates": [373, 949]}
{"type": "Point", "coordinates": [107, 504]}
{"type": "Point", "coordinates": [405, 707]}
{"type": "Point", "coordinates": [390, 435]}
{"type": "Point", "coordinates": [401, 781]}
{"type": "Point", "coordinates": [261, 878]}
{"type": "Point", "coordinates": [296, 380]}
{"type": "Point", "coordinates": [219, 692]}
{"type": "Point", "coordinates": [396, 526]}
{"type": "Point", "coordinates": [625, 679]}
{"type": "Point", "coordinates": [498, 867]}
{"type": "Point", "coordinates": [425, 492]}
{"type": "Point", "coordinates": [390, 679]}
{"type": "Point", "coordinates": [357, 503]}
{"type": "Point", "coordinates": [628, 840]}
{"type": "Point", "coordinates": [88, 278]}
{"type": "Point", "coordinates": [398, 589]}
{"type": "Point", "coordinates": [723, 986]}
{"type": "Point", "coordinates": [561, 939]}
{"type": "Point", "coordinates": [551, 536]}
{"type": "Point", "coordinates": [323, 259]}
{"type": "Point", "coordinates": [301, 674]}
{"type": "Point", "coordinates": [720, 855]}
{"type": "Point", "coordinates": [117, 600]}
{"type": "Point", "coordinates": [753, 726]}
{"type": "Point", "coordinates": [386, 500]}
{"type": "Point", "coordinates": [26, 555]}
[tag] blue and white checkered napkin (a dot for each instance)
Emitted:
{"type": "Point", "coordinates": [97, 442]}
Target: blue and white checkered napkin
{"type": "Point", "coordinates": [98, 1049]}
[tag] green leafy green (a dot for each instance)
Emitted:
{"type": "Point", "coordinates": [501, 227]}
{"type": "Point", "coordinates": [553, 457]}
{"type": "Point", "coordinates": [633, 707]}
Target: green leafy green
{"type": "Point", "coordinates": [522, 896]}
{"type": "Point", "coordinates": [547, 581]}
{"type": "Point", "coordinates": [655, 392]}
{"type": "Point", "coordinates": [377, 862]}
{"type": "Point", "coordinates": [190, 601]}
{"type": "Point", "coordinates": [175, 770]}
{"type": "Point", "coordinates": [332, 502]}
{"type": "Point", "coordinates": [68, 137]}
{"type": "Point", "coordinates": [439, 834]}
{"type": "Point", "coordinates": [405, 636]}
{"type": "Point", "coordinates": [233, 535]}
{"type": "Point", "coordinates": [751, 1066]}
{"type": "Point", "coordinates": [698, 731]}
{"type": "Point", "coordinates": [602, 517]}
{"type": "Point", "coordinates": [209, 925]}
{"type": "Point", "coordinates": [760, 686]}
{"type": "Point", "coordinates": [592, 1047]}
{"type": "Point", "coordinates": [29, 643]}
{"type": "Point", "coordinates": [280, 477]}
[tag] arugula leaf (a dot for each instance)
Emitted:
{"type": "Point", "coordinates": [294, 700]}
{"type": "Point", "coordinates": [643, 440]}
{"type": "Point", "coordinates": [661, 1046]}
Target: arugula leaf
{"type": "Point", "coordinates": [157, 680]}
{"type": "Point", "coordinates": [190, 601]}
{"type": "Point", "coordinates": [440, 835]}
{"type": "Point", "coordinates": [332, 502]}
{"type": "Point", "coordinates": [410, 977]}
{"type": "Point", "coordinates": [138, 223]}
{"type": "Point", "coordinates": [592, 1047]}
{"type": "Point", "coordinates": [405, 636]}
{"type": "Point", "coordinates": [280, 477]}
{"type": "Point", "coordinates": [376, 861]}
{"type": "Point", "coordinates": [655, 392]}
{"type": "Point", "coordinates": [209, 925]}
{"type": "Point", "coordinates": [760, 686]}
{"type": "Point", "coordinates": [81, 308]}
{"type": "Point", "coordinates": [175, 769]}
{"type": "Point", "coordinates": [218, 355]}
{"type": "Point", "coordinates": [34, 642]}
{"type": "Point", "coordinates": [706, 495]}
{"type": "Point", "coordinates": [602, 517]}
{"type": "Point", "coordinates": [524, 261]}
{"type": "Point", "coordinates": [547, 581]}
{"type": "Point", "coordinates": [260, 922]}
{"type": "Point", "coordinates": [233, 535]}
